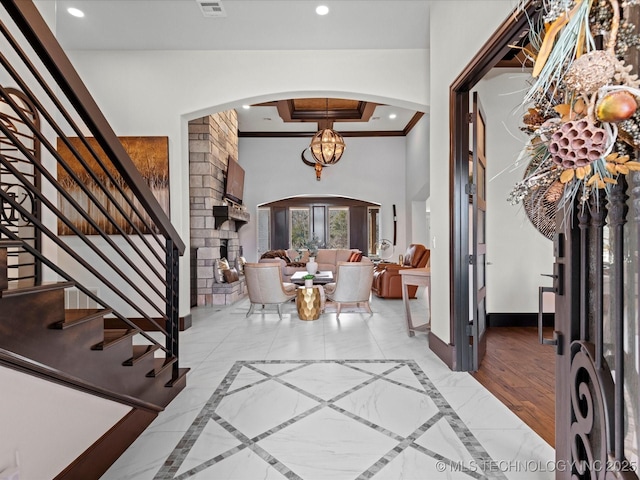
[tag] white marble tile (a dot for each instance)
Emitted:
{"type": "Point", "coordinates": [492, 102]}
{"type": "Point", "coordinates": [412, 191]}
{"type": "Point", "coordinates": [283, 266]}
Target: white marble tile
{"type": "Point", "coordinates": [144, 457]}
{"type": "Point", "coordinates": [212, 441]}
{"type": "Point", "coordinates": [244, 465]}
{"type": "Point", "coordinates": [479, 409]}
{"type": "Point", "coordinates": [442, 439]}
{"type": "Point", "coordinates": [390, 406]}
{"type": "Point", "coordinates": [413, 465]}
{"type": "Point", "coordinates": [262, 407]}
{"type": "Point", "coordinates": [327, 445]}
{"type": "Point", "coordinates": [275, 368]}
{"type": "Point", "coordinates": [351, 345]}
{"type": "Point", "coordinates": [209, 373]}
{"type": "Point", "coordinates": [519, 453]}
{"type": "Point", "coordinates": [245, 377]}
{"type": "Point", "coordinates": [307, 347]}
{"type": "Point", "coordinates": [325, 380]}
{"type": "Point", "coordinates": [405, 376]}
{"type": "Point", "coordinates": [179, 414]}
{"type": "Point", "coordinates": [377, 368]}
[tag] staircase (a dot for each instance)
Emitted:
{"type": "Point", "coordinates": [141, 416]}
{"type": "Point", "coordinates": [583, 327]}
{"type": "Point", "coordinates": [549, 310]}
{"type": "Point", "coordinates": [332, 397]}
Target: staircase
{"type": "Point", "coordinates": [75, 207]}
{"type": "Point", "coordinates": [74, 343]}
{"type": "Point", "coordinates": [35, 324]}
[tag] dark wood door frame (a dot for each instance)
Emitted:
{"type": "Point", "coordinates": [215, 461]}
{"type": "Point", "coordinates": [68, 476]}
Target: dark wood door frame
{"type": "Point", "coordinates": [511, 30]}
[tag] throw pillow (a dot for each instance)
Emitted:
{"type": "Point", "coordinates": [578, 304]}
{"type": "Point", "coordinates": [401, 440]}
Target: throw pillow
{"type": "Point", "coordinates": [230, 275]}
{"type": "Point", "coordinates": [217, 271]}
{"type": "Point", "coordinates": [355, 257]}
{"type": "Point", "coordinates": [224, 264]}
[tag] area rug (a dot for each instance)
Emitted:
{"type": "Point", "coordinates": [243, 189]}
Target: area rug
{"type": "Point", "coordinates": [322, 420]}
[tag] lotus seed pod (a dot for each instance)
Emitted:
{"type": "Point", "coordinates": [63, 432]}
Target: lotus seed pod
{"type": "Point", "coordinates": [616, 107]}
{"type": "Point", "coordinates": [577, 143]}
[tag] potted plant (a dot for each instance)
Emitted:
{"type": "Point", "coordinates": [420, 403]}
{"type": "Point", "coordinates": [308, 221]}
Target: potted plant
{"type": "Point", "coordinates": [308, 280]}
{"type": "Point", "coordinates": [312, 246]}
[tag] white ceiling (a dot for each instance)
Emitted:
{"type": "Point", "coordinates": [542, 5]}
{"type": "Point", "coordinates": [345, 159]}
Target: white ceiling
{"type": "Point", "coordinates": [248, 25]}
{"type": "Point", "coordinates": [252, 25]}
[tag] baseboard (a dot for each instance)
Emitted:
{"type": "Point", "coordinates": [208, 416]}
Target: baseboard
{"type": "Point", "coordinates": [444, 351]}
{"type": "Point", "coordinates": [519, 319]}
{"type": "Point", "coordinates": [97, 459]}
{"type": "Point", "coordinates": [145, 325]}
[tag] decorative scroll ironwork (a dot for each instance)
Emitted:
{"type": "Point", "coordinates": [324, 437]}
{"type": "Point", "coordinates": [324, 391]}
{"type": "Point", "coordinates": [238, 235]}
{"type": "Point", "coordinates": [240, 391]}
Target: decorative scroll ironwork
{"type": "Point", "coordinates": [21, 265]}
{"type": "Point", "coordinates": [592, 408]}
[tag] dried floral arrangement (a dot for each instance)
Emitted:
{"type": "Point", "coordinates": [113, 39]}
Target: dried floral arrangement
{"type": "Point", "coordinates": [583, 120]}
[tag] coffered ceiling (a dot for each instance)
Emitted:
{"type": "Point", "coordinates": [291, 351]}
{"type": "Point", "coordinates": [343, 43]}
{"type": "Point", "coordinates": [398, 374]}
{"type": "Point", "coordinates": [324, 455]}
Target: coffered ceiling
{"type": "Point", "coordinates": [302, 116]}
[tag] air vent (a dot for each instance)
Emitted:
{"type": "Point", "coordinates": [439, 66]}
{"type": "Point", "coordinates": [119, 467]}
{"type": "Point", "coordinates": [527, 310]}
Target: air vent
{"type": "Point", "coordinates": [212, 8]}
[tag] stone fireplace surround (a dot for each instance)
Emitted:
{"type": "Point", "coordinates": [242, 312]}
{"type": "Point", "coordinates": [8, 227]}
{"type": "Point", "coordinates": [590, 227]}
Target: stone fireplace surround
{"type": "Point", "coordinates": [213, 142]}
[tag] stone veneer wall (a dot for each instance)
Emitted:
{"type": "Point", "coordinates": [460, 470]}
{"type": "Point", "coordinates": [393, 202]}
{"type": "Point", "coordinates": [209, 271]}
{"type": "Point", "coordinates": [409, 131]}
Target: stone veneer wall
{"type": "Point", "coordinates": [213, 141]}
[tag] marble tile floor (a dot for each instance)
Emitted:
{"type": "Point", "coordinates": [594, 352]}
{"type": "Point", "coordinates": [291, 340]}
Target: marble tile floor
{"type": "Point", "coordinates": [349, 398]}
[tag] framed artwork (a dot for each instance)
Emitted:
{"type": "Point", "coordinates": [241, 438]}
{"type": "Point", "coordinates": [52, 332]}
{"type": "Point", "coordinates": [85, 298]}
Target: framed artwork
{"type": "Point", "coordinates": [150, 155]}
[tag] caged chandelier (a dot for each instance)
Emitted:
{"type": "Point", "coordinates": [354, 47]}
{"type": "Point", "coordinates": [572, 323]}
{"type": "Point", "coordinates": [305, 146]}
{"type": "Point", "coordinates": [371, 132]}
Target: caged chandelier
{"type": "Point", "coordinates": [327, 145]}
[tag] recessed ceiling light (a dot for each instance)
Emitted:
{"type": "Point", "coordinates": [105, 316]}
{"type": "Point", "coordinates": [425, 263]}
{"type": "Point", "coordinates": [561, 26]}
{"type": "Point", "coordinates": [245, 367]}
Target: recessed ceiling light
{"type": "Point", "coordinates": [75, 12]}
{"type": "Point", "coordinates": [392, 116]}
{"type": "Point", "coordinates": [322, 9]}
{"type": "Point", "coordinates": [246, 107]}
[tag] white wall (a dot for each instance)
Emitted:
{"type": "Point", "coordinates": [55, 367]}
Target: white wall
{"type": "Point", "coordinates": [48, 425]}
{"type": "Point", "coordinates": [157, 92]}
{"type": "Point", "coordinates": [517, 251]}
{"type": "Point", "coordinates": [417, 181]}
{"type": "Point", "coordinates": [458, 30]}
{"type": "Point", "coordinates": [371, 169]}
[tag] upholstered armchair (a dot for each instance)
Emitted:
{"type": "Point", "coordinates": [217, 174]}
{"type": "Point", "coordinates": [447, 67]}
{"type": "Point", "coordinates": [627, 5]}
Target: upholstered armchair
{"type": "Point", "coordinates": [352, 285]}
{"type": "Point", "coordinates": [387, 282]}
{"type": "Point", "coordinates": [265, 286]}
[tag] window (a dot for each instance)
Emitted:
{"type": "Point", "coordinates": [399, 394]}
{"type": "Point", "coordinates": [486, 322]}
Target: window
{"type": "Point", "coordinates": [264, 229]}
{"type": "Point", "coordinates": [299, 228]}
{"type": "Point", "coordinates": [338, 227]}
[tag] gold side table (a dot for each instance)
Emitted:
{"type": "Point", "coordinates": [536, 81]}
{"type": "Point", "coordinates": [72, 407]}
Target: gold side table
{"type": "Point", "coordinates": [310, 302]}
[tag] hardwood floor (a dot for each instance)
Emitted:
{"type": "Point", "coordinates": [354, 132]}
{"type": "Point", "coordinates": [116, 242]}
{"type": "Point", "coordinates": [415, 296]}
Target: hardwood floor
{"type": "Point", "coordinates": [521, 373]}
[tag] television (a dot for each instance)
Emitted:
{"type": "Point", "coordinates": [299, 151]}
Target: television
{"type": "Point", "coordinates": [234, 184]}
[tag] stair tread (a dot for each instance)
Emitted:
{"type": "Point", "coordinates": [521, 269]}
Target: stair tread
{"type": "Point", "coordinates": [77, 316]}
{"type": "Point", "coordinates": [182, 372]}
{"type": "Point", "coordinates": [25, 287]}
{"type": "Point", "coordinates": [160, 365]}
{"type": "Point", "coordinates": [114, 336]}
{"type": "Point", "coordinates": [140, 352]}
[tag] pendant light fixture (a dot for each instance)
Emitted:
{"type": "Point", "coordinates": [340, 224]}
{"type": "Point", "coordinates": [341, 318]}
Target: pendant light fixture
{"type": "Point", "coordinates": [327, 145]}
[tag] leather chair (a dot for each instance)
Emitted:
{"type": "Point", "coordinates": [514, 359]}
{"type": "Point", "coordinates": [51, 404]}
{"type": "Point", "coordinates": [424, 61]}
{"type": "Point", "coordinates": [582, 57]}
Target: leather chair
{"type": "Point", "coordinates": [352, 285]}
{"type": "Point", "coordinates": [265, 286]}
{"type": "Point", "coordinates": [387, 281]}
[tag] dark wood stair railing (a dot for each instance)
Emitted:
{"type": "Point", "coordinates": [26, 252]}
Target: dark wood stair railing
{"type": "Point", "coordinates": [123, 252]}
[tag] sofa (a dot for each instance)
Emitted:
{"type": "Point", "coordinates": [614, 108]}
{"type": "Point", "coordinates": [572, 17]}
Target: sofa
{"type": "Point", "coordinates": [387, 281]}
{"type": "Point", "coordinates": [327, 259]}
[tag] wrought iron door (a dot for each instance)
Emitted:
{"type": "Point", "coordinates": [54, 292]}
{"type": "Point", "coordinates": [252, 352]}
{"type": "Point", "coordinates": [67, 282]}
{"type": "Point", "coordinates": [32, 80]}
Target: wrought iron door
{"type": "Point", "coordinates": [597, 336]}
{"type": "Point", "coordinates": [20, 116]}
